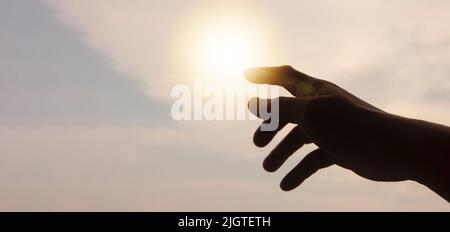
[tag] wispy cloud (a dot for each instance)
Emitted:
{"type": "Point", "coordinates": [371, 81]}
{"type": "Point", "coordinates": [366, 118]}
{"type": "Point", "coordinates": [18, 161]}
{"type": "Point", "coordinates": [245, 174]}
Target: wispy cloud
{"type": "Point", "coordinates": [134, 37]}
{"type": "Point", "coordinates": [394, 54]}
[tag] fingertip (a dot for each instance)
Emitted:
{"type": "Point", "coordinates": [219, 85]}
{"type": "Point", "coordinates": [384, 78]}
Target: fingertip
{"type": "Point", "coordinates": [250, 71]}
{"type": "Point", "coordinates": [285, 187]}
{"type": "Point", "coordinates": [291, 182]}
{"type": "Point", "coordinates": [268, 166]}
{"type": "Point", "coordinates": [252, 74]}
{"type": "Point", "coordinates": [260, 142]}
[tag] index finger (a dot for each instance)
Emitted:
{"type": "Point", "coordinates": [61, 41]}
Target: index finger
{"type": "Point", "coordinates": [297, 83]}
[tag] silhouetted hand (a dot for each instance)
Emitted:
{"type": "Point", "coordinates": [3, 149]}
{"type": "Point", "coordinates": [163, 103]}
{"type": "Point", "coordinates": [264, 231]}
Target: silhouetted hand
{"type": "Point", "coordinates": [351, 134]}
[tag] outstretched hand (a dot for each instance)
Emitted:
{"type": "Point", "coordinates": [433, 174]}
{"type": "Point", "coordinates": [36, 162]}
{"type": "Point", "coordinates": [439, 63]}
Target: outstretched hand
{"type": "Point", "coordinates": [349, 132]}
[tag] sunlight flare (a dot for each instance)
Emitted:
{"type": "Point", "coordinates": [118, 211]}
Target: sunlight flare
{"type": "Point", "coordinates": [225, 52]}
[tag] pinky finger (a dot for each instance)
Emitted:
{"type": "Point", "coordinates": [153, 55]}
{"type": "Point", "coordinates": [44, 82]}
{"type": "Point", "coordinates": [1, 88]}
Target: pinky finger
{"type": "Point", "coordinates": [312, 162]}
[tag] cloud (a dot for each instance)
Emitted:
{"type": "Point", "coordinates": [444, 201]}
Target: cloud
{"type": "Point", "coordinates": [412, 80]}
{"type": "Point", "coordinates": [394, 54]}
{"type": "Point", "coordinates": [373, 47]}
{"type": "Point", "coordinates": [132, 37]}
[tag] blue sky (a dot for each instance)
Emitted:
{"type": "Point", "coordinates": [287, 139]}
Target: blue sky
{"type": "Point", "coordinates": [54, 78]}
{"type": "Point", "coordinates": [85, 103]}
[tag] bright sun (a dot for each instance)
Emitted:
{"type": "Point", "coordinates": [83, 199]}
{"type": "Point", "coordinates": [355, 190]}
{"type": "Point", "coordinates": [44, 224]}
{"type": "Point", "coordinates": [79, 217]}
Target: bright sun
{"type": "Point", "coordinates": [225, 51]}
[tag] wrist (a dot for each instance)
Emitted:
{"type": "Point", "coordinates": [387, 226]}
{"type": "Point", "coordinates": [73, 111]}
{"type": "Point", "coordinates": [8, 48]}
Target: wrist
{"type": "Point", "coordinates": [429, 154]}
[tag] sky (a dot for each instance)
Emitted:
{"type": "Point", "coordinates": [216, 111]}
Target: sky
{"type": "Point", "coordinates": [85, 102]}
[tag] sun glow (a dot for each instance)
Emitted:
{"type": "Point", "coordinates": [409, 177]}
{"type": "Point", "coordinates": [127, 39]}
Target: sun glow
{"type": "Point", "coordinates": [217, 42]}
{"type": "Point", "coordinates": [226, 53]}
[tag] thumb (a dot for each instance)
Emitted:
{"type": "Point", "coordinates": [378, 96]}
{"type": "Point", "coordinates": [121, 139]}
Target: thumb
{"type": "Point", "coordinates": [312, 162]}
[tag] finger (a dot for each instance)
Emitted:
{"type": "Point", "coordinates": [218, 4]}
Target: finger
{"type": "Point", "coordinates": [290, 144]}
{"type": "Point", "coordinates": [312, 162]}
{"type": "Point", "coordinates": [285, 109]}
{"type": "Point", "coordinates": [297, 83]}
{"type": "Point", "coordinates": [262, 137]}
